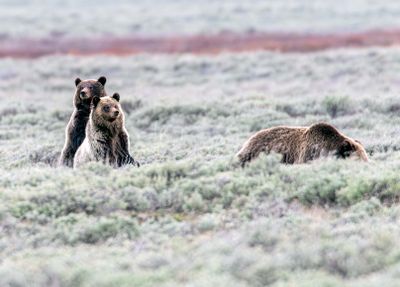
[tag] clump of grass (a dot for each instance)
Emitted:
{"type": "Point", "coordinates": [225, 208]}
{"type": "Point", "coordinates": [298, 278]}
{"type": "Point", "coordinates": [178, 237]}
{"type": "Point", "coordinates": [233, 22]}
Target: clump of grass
{"type": "Point", "coordinates": [321, 190]}
{"type": "Point", "coordinates": [73, 229]}
{"type": "Point", "coordinates": [103, 229]}
{"type": "Point", "coordinates": [130, 106]}
{"type": "Point", "coordinates": [62, 116]}
{"type": "Point", "coordinates": [337, 105]}
{"type": "Point", "coordinates": [299, 109]}
{"type": "Point", "coordinates": [385, 187]}
{"type": "Point", "coordinates": [47, 155]}
{"type": "Point", "coordinates": [8, 112]}
{"type": "Point", "coordinates": [162, 115]}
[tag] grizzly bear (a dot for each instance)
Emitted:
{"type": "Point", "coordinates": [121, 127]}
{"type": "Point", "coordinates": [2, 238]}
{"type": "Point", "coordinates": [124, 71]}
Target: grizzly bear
{"type": "Point", "coordinates": [301, 144]}
{"type": "Point", "coordinates": [104, 131]}
{"type": "Point", "coordinates": [75, 131]}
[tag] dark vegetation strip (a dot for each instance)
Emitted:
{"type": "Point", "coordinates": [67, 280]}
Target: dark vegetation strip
{"type": "Point", "coordinates": [198, 44]}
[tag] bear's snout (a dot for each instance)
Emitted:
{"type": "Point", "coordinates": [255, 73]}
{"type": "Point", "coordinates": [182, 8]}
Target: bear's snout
{"type": "Point", "coordinates": [85, 93]}
{"type": "Point", "coordinates": [116, 113]}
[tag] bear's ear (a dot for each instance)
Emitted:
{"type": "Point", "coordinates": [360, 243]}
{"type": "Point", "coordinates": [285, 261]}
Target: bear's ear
{"type": "Point", "coordinates": [116, 96]}
{"type": "Point", "coordinates": [95, 101]}
{"type": "Point", "coordinates": [102, 80]}
{"type": "Point", "coordinates": [77, 81]}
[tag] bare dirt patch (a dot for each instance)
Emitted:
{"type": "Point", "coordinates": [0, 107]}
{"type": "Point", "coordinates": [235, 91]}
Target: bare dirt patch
{"type": "Point", "coordinates": [197, 44]}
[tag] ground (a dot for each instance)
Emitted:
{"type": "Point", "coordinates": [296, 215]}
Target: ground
{"type": "Point", "coordinates": [189, 216]}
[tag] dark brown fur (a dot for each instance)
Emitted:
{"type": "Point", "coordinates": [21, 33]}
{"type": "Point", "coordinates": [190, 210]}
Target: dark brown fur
{"type": "Point", "coordinates": [75, 131]}
{"type": "Point", "coordinates": [301, 144]}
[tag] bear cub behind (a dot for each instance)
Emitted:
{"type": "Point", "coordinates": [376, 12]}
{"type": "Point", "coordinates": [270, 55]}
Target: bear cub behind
{"type": "Point", "coordinates": [75, 131]}
{"type": "Point", "coordinates": [104, 131]}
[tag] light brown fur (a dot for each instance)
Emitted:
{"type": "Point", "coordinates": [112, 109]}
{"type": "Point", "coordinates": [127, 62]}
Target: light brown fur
{"type": "Point", "coordinates": [301, 144]}
{"type": "Point", "coordinates": [102, 142]}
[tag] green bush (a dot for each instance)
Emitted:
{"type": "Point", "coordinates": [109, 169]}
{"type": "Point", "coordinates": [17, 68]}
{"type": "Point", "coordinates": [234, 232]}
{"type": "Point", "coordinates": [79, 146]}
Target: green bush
{"type": "Point", "coordinates": [337, 105]}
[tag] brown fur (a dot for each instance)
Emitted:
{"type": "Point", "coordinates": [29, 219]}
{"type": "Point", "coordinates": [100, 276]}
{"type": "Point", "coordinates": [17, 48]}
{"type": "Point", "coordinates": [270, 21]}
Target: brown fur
{"type": "Point", "coordinates": [75, 131]}
{"type": "Point", "coordinates": [301, 144]}
{"type": "Point", "coordinates": [103, 133]}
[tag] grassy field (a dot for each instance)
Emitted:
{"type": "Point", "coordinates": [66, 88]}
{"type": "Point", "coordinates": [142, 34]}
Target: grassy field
{"type": "Point", "coordinates": [189, 216]}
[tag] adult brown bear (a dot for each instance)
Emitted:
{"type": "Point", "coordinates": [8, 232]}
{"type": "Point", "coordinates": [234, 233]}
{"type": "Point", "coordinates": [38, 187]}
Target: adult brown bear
{"type": "Point", "coordinates": [301, 144]}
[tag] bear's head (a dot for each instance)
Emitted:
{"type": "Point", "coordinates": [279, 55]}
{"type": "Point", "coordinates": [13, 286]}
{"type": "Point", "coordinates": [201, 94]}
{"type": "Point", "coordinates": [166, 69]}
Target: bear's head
{"type": "Point", "coordinates": [352, 148]}
{"type": "Point", "coordinates": [107, 110]}
{"type": "Point", "coordinates": [86, 90]}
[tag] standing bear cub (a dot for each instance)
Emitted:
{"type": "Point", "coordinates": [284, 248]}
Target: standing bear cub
{"type": "Point", "coordinates": [75, 131]}
{"type": "Point", "coordinates": [301, 144]}
{"type": "Point", "coordinates": [104, 131]}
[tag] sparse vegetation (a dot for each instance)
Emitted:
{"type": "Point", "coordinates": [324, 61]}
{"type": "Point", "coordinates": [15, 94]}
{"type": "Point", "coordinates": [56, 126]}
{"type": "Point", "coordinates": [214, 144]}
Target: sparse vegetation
{"type": "Point", "coordinates": [189, 216]}
{"type": "Point", "coordinates": [336, 106]}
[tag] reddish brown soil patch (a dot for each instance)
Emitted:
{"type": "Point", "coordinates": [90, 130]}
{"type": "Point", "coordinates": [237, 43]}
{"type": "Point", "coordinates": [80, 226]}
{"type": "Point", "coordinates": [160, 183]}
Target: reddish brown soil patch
{"type": "Point", "coordinates": [201, 44]}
